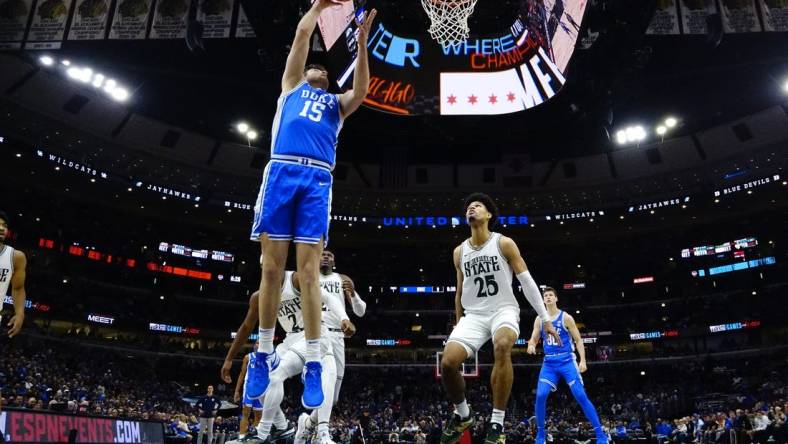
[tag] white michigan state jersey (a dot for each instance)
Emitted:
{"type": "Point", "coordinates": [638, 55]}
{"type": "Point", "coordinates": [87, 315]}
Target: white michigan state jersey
{"type": "Point", "coordinates": [6, 268]}
{"type": "Point", "coordinates": [290, 316]}
{"type": "Point", "coordinates": [331, 286]}
{"type": "Point", "coordinates": [487, 278]}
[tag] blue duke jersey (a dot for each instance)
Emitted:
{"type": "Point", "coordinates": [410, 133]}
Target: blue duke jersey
{"type": "Point", "coordinates": [551, 348]}
{"type": "Point", "coordinates": [306, 124]}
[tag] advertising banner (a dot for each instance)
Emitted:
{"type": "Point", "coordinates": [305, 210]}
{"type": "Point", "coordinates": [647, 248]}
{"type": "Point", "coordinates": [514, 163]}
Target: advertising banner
{"type": "Point", "coordinates": [89, 21]}
{"type": "Point", "coordinates": [20, 426]}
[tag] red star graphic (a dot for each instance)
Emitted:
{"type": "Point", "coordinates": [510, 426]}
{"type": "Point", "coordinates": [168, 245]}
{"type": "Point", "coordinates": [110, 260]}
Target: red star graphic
{"type": "Point", "coordinates": [493, 99]}
{"type": "Point", "coordinates": [452, 99]}
{"type": "Point", "coordinates": [510, 97]}
{"type": "Point", "coordinates": [472, 99]}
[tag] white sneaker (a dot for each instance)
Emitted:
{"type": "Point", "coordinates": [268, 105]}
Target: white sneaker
{"type": "Point", "coordinates": [301, 432]}
{"type": "Point", "coordinates": [325, 438]}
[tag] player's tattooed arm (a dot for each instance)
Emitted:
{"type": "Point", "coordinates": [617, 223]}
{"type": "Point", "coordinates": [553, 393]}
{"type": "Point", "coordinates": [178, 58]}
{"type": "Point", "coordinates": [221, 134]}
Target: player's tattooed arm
{"type": "Point", "coordinates": [458, 296]}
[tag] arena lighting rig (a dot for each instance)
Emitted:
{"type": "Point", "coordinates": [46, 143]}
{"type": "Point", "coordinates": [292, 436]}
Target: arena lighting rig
{"type": "Point", "coordinates": [86, 75]}
{"type": "Point", "coordinates": [635, 134]}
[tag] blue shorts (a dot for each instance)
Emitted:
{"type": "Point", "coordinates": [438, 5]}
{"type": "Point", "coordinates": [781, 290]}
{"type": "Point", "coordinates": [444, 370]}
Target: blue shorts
{"type": "Point", "coordinates": [294, 203]}
{"type": "Point", "coordinates": [553, 370]}
{"type": "Point", "coordinates": [255, 404]}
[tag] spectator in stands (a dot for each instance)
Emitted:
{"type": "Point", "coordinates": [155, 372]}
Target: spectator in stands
{"type": "Point", "coordinates": [219, 431]}
{"type": "Point", "coordinates": [761, 427]}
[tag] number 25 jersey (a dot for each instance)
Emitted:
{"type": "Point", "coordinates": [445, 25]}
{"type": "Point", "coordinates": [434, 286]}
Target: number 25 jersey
{"type": "Point", "coordinates": [306, 124]}
{"type": "Point", "coordinates": [487, 278]}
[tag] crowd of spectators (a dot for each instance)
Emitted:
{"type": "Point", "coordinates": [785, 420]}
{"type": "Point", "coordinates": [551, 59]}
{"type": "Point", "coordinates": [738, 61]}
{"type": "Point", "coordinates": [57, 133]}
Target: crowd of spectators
{"type": "Point", "coordinates": [731, 401]}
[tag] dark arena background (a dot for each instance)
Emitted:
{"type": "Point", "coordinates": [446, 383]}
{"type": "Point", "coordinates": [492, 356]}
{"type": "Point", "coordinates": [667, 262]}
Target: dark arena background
{"type": "Point", "coordinates": [636, 151]}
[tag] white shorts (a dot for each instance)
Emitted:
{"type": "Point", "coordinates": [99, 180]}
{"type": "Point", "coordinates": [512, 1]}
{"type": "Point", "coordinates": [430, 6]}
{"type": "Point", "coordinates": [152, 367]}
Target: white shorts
{"type": "Point", "coordinates": [338, 348]}
{"type": "Point", "coordinates": [296, 343]}
{"type": "Point", "coordinates": [474, 330]}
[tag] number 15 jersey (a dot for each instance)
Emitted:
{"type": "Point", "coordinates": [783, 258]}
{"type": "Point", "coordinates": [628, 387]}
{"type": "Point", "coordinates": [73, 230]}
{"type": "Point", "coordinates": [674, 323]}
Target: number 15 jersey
{"type": "Point", "coordinates": [487, 278]}
{"type": "Point", "coordinates": [306, 124]}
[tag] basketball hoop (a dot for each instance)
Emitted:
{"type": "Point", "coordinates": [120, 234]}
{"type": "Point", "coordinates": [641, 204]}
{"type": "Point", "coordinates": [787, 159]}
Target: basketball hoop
{"type": "Point", "coordinates": [449, 19]}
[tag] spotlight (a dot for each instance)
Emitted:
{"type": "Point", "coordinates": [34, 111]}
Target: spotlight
{"type": "Point", "coordinates": [120, 94]}
{"type": "Point", "coordinates": [46, 60]}
{"type": "Point", "coordinates": [785, 86]}
{"type": "Point", "coordinates": [242, 127]}
{"type": "Point", "coordinates": [671, 122]}
{"type": "Point", "coordinates": [74, 73]}
{"type": "Point", "coordinates": [621, 137]}
{"type": "Point", "coordinates": [251, 135]}
{"type": "Point", "coordinates": [661, 130]}
{"type": "Point", "coordinates": [85, 75]}
{"type": "Point", "coordinates": [98, 80]}
{"type": "Point", "coordinates": [110, 85]}
{"type": "Point", "coordinates": [66, 62]}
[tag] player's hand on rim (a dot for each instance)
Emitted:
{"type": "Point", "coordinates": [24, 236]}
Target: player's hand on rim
{"type": "Point", "coordinates": [550, 330]}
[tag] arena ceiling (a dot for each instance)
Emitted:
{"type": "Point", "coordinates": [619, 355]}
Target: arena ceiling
{"type": "Point", "coordinates": [624, 77]}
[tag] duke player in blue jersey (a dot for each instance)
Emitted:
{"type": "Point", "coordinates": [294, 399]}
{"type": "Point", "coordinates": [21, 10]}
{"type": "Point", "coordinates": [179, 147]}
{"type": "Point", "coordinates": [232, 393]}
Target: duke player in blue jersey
{"type": "Point", "coordinates": [559, 363]}
{"type": "Point", "coordinates": [295, 197]}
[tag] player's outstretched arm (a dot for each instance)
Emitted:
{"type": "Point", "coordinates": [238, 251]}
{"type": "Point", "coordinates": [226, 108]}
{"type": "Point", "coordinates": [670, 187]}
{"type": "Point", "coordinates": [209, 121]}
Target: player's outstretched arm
{"type": "Point", "coordinates": [531, 291]}
{"type": "Point", "coordinates": [458, 296]}
{"type": "Point", "coordinates": [241, 336]}
{"type": "Point", "coordinates": [18, 293]}
{"type": "Point", "coordinates": [534, 339]}
{"type": "Point", "coordinates": [239, 385]}
{"type": "Point", "coordinates": [351, 100]}
{"type": "Point", "coordinates": [571, 327]}
{"type": "Point", "coordinates": [296, 60]}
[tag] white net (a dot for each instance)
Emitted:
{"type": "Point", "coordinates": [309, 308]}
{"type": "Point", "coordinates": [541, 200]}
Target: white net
{"type": "Point", "coordinates": [449, 19]}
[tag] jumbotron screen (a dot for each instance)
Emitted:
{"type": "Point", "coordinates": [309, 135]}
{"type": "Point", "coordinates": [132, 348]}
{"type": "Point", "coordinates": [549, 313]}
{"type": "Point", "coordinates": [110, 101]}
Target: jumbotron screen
{"type": "Point", "coordinates": [519, 67]}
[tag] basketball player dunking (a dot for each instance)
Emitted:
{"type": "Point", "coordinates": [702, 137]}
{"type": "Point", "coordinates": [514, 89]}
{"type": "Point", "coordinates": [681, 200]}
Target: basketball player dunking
{"type": "Point", "coordinates": [486, 309]}
{"type": "Point", "coordinates": [295, 196]}
{"type": "Point", "coordinates": [13, 264]}
{"type": "Point", "coordinates": [559, 363]}
{"type": "Point", "coordinates": [341, 288]}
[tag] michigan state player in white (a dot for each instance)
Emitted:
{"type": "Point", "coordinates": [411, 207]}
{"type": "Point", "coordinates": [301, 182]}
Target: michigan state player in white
{"type": "Point", "coordinates": [13, 265]}
{"type": "Point", "coordinates": [341, 288]}
{"type": "Point", "coordinates": [293, 354]}
{"type": "Point", "coordinates": [486, 309]}
{"type": "Point", "coordinates": [294, 202]}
